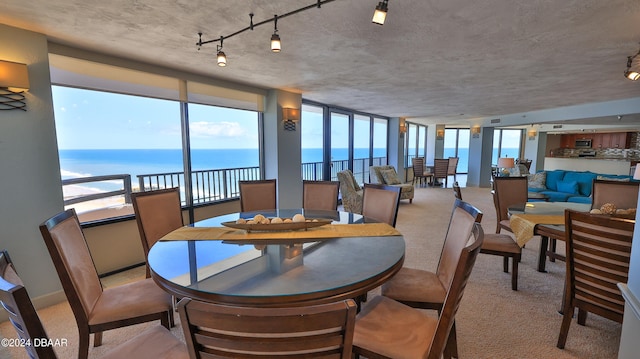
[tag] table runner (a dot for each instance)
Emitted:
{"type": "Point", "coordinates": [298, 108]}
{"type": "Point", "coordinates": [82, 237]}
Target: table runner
{"type": "Point", "coordinates": [328, 231]}
{"type": "Point", "coordinates": [523, 225]}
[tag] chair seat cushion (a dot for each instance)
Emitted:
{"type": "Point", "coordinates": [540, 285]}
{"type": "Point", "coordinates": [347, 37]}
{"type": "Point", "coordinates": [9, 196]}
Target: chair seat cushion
{"type": "Point", "coordinates": [130, 300]}
{"type": "Point", "coordinates": [395, 330]}
{"type": "Point", "coordinates": [500, 243]}
{"type": "Point", "coordinates": [415, 285]}
{"type": "Point", "coordinates": [154, 343]}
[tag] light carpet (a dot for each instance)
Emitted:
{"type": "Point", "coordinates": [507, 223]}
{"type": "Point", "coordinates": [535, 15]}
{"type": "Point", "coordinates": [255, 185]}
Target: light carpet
{"type": "Point", "coordinates": [493, 321]}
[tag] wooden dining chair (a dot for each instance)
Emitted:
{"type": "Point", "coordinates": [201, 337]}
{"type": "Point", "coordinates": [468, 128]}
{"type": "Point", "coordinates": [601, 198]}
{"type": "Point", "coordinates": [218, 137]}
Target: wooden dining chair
{"type": "Point", "coordinates": [499, 245]}
{"type": "Point", "coordinates": [386, 328]}
{"type": "Point", "coordinates": [441, 170]}
{"type": "Point", "coordinates": [420, 172]}
{"type": "Point", "coordinates": [95, 308]}
{"type": "Point", "coordinates": [221, 331]}
{"type": "Point", "coordinates": [508, 191]}
{"type": "Point", "coordinates": [598, 250]}
{"type": "Point", "coordinates": [322, 195]}
{"type": "Point", "coordinates": [452, 170]}
{"type": "Point", "coordinates": [257, 195]}
{"type": "Point", "coordinates": [155, 342]}
{"type": "Point", "coordinates": [157, 213]}
{"type": "Point", "coordinates": [424, 289]}
{"type": "Point", "coordinates": [381, 202]}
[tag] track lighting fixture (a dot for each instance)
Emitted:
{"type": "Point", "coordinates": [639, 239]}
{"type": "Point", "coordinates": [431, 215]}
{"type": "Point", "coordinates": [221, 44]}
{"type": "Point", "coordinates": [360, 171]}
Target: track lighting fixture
{"type": "Point", "coordinates": [632, 75]}
{"type": "Point", "coordinates": [276, 46]}
{"type": "Point", "coordinates": [380, 14]}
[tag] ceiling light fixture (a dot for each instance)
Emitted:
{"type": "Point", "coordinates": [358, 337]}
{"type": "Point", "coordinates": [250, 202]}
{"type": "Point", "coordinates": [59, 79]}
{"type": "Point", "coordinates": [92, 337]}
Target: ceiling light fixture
{"type": "Point", "coordinates": [631, 74]}
{"type": "Point", "coordinates": [380, 14]}
{"type": "Point", "coordinates": [276, 45]}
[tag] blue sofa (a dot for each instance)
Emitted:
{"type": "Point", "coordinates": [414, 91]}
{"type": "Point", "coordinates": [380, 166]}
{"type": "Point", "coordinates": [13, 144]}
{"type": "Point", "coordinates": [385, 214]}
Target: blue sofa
{"type": "Point", "coordinates": [570, 186]}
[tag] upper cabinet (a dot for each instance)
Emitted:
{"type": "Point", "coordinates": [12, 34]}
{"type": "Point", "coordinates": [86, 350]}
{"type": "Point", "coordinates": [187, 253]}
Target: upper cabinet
{"type": "Point", "coordinates": [598, 140]}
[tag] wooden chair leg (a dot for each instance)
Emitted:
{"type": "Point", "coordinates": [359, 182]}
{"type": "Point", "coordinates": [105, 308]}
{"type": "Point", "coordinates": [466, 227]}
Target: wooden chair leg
{"type": "Point", "coordinates": [514, 272]}
{"type": "Point", "coordinates": [83, 345]}
{"type": "Point", "coordinates": [505, 264]}
{"type": "Point", "coordinates": [97, 339]}
{"type": "Point", "coordinates": [582, 317]}
{"type": "Point", "coordinates": [564, 328]}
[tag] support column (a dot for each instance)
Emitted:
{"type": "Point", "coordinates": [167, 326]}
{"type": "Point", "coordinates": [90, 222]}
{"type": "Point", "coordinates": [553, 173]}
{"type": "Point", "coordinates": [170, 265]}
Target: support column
{"type": "Point", "coordinates": [282, 148]}
{"type": "Point", "coordinates": [480, 153]}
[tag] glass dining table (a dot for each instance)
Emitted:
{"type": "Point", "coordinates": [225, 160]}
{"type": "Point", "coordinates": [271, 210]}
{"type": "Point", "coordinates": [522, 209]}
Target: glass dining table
{"type": "Point", "coordinates": [344, 259]}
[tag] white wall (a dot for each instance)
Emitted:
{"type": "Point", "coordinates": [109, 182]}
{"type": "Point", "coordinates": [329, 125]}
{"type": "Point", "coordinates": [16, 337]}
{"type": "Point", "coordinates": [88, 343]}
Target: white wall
{"type": "Point", "coordinates": [30, 178]}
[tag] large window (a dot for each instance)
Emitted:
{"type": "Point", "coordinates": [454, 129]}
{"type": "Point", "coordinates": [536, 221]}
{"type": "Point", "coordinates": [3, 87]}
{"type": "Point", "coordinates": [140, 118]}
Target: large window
{"type": "Point", "coordinates": [343, 140]}
{"type": "Point", "coordinates": [506, 143]}
{"type": "Point", "coordinates": [113, 144]}
{"type": "Point", "coordinates": [416, 143]}
{"type": "Point", "coordinates": [456, 144]}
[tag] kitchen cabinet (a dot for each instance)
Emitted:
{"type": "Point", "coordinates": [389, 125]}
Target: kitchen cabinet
{"type": "Point", "coordinates": [598, 140]}
{"type": "Point", "coordinates": [567, 141]}
{"type": "Point", "coordinates": [619, 140]}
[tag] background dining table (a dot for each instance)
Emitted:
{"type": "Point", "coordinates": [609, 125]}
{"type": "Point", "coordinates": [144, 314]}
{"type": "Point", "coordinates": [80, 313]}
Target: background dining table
{"type": "Point", "coordinates": [344, 259]}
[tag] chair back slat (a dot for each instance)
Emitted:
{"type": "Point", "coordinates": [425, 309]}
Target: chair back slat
{"type": "Point", "coordinates": [213, 330]}
{"type": "Point", "coordinates": [322, 195]}
{"type": "Point", "coordinates": [257, 195]}
{"type": "Point", "coordinates": [22, 315]}
{"type": "Point", "coordinates": [381, 203]}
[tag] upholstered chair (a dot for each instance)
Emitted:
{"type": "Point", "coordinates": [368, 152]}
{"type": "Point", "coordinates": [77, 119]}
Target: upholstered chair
{"type": "Point", "coordinates": [381, 202]}
{"type": "Point", "coordinates": [257, 195]}
{"type": "Point", "coordinates": [321, 195]}
{"type": "Point", "coordinates": [387, 175]}
{"type": "Point", "coordinates": [386, 328]}
{"type": "Point", "coordinates": [156, 342]}
{"type": "Point", "coordinates": [351, 192]}
{"type": "Point", "coordinates": [623, 195]}
{"type": "Point", "coordinates": [508, 191]}
{"type": "Point", "coordinates": [95, 308]}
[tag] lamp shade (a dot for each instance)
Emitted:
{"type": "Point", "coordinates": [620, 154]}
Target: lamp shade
{"type": "Point", "coordinates": [276, 45]}
{"type": "Point", "coordinates": [14, 76]}
{"type": "Point", "coordinates": [506, 162]}
{"type": "Point", "coordinates": [636, 174]}
{"type": "Point", "coordinates": [222, 59]}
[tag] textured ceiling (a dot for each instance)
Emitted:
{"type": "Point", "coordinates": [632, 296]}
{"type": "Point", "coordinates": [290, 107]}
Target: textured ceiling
{"type": "Point", "coordinates": [449, 60]}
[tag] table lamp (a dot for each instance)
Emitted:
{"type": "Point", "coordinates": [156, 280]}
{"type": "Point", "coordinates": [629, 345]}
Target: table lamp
{"type": "Point", "coordinates": [504, 163]}
{"type": "Point", "coordinates": [636, 173]}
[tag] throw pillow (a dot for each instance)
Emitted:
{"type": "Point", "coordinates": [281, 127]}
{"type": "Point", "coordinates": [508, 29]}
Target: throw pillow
{"type": "Point", "coordinates": [568, 187]}
{"type": "Point", "coordinates": [537, 180]}
{"type": "Point", "coordinates": [390, 176]}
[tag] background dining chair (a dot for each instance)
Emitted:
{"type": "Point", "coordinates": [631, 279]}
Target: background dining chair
{"type": "Point", "coordinates": [508, 191]}
{"type": "Point", "coordinates": [214, 330]}
{"type": "Point", "coordinates": [351, 193]}
{"type": "Point", "coordinates": [598, 250]}
{"type": "Point", "coordinates": [441, 170]}
{"type": "Point", "coordinates": [381, 203]}
{"type": "Point", "coordinates": [155, 342]}
{"type": "Point", "coordinates": [424, 289]}
{"type": "Point", "coordinates": [97, 309]}
{"type": "Point", "coordinates": [623, 195]}
{"type": "Point", "coordinates": [157, 213]}
{"type": "Point", "coordinates": [386, 328]}
{"type": "Point", "coordinates": [420, 171]}
{"type": "Point", "coordinates": [321, 195]}
{"type": "Point", "coordinates": [452, 170]}
{"type": "Point", "coordinates": [257, 195]}
{"type": "Point", "coordinates": [500, 245]}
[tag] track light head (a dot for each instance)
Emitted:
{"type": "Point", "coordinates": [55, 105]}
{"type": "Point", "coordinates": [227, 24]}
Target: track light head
{"type": "Point", "coordinates": [380, 14]}
{"type": "Point", "coordinates": [222, 59]}
{"type": "Point", "coordinates": [276, 45]}
{"type": "Point", "coordinates": [632, 75]}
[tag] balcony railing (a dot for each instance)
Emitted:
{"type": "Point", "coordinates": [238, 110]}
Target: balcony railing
{"type": "Point", "coordinates": [210, 185]}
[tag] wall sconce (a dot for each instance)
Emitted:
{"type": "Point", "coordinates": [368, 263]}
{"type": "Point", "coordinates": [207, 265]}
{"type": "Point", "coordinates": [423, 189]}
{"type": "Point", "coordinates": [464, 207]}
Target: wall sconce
{"type": "Point", "coordinates": [440, 134]}
{"type": "Point", "coordinates": [475, 131]}
{"type": "Point", "coordinates": [532, 134]}
{"type": "Point", "coordinates": [403, 129]}
{"type": "Point", "coordinates": [289, 118]}
{"type": "Point", "coordinates": [14, 81]}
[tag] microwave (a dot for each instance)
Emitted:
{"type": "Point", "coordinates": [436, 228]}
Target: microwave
{"type": "Point", "coordinates": [583, 143]}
